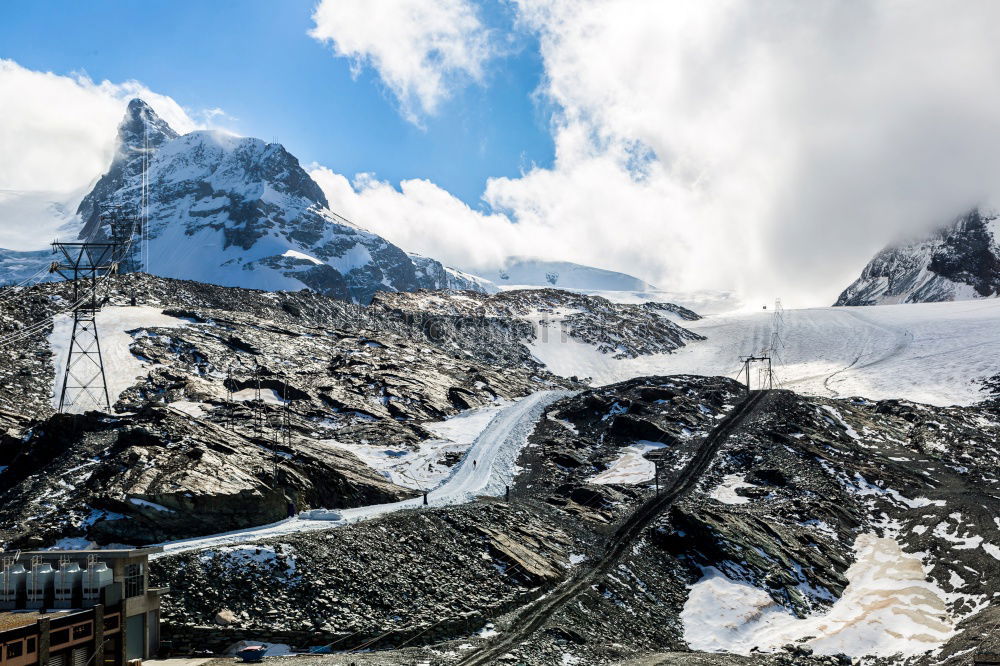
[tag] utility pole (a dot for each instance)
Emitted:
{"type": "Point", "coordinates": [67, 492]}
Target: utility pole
{"type": "Point", "coordinates": [122, 228]}
{"type": "Point", "coordinates": [286, 413]}
{"type": "Point", "coordinates": [258, 404]}
{"type": "Point", "coordinates": [231, 420]}
{"type": "Point", "coordinates": [777, 324]}
{"type": "Point", "coordinates": [765, 378]}
{"type": "Point", "coordinates": [420, 486]}
{"type": "Point", "coordinates": [84, 264]}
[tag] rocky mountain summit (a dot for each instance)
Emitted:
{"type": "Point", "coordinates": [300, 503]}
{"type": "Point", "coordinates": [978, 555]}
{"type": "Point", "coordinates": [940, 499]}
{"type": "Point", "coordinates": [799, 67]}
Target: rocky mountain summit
{"type": "Point", "coordinates": [237, 211]}
{"type": "Point", "coordinates": [958, 262]}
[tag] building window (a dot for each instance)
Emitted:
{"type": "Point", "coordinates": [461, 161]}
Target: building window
{"type": "Point", "coordinates": [110, 622]}
{"type": "Point", "coordinates": [82, 631]}
{"type": "Point", "coordinates": [32, 645]}
{"type": "Point", "coordinates": [59, 637]}
{"type": "Point", "coordinates": [14, 650]}
{"type": "Point", "coordinates": [135, 580]}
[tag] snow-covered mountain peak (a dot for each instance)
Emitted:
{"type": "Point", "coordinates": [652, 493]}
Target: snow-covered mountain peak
{"type": "Point", "coordinates": [238, 164]}
{"type": "Point", "coordinates": [141, 123]}
{"type": "Point", "coordinates": [238, 211]}
{"type": "Point", "coordinates": [142, 127]}
{"type": "Point", "coordinates": [959, 261]}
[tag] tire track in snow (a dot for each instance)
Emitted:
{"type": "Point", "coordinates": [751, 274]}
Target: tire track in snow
{"type": "Point", "coordinates": [902, 339]}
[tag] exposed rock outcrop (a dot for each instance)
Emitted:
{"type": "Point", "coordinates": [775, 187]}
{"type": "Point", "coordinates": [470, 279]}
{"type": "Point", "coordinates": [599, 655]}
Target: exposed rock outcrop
{"type": "Point", "coordinates": [960, 261]}
{"type": "Point", "coordinates": [189, 450]}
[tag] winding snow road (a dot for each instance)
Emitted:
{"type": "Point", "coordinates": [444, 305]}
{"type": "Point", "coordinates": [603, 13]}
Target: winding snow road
{"type": "Point", "coordinates": [484, 470]}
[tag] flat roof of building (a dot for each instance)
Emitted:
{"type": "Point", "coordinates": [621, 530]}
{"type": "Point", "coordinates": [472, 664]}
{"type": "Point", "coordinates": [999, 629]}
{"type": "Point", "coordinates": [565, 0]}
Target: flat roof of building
{"type": "Point", "coordinates": [109, 553]}
{"type": "Point", "coordinates": [22, 618]}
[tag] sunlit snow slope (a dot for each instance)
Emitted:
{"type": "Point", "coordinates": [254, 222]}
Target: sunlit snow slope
{"type": "Point", "coordinates": [926, 352]}
{"type": "Point", "coordinates": [118, 328]}
{"type": "Point", "coordinates": [235, 211]}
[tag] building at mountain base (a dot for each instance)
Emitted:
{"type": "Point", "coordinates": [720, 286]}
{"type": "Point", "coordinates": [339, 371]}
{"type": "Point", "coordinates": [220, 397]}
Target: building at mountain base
{"type": "Point", "coordinates": [77, 608]}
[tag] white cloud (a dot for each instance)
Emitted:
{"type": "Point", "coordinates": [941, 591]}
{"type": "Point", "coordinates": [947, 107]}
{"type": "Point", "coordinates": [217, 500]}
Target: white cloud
{"type": "Point", "coordinates": [768, 146]}
{"type": "Point", "coordinates": [421, 217]}
{"type": "Point", "coordinates": [420, 48]}
{"type": "Point", "coordinates": [57, 137]}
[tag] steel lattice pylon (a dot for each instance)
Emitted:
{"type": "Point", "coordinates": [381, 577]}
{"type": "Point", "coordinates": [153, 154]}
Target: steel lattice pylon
{"type": "Point", "coordinates": [85, 264]}
{"type": "Point", "coordinates": [84, 376]}
{"type": "Point", "coordinates": [123, 225]}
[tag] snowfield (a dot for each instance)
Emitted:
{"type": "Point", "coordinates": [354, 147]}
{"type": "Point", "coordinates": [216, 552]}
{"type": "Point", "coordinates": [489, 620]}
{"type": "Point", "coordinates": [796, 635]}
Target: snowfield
{"type": "Point", "coordinates": [887, 608]}
{"type": "Point", "coordinates": [925, 352]}
{"type": "Point", "coordinates": [121, 367]}
{"type": "Point", "coordinates": [425, 468]}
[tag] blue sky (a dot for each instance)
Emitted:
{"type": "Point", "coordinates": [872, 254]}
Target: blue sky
{"type": "Point", "coordinates": [782, 144]}
{"type": "Point", "coordinates": [254, 60]}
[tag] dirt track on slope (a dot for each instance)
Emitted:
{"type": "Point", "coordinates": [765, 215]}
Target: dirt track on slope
{"type": "Point", "coordinates": [534, 616]}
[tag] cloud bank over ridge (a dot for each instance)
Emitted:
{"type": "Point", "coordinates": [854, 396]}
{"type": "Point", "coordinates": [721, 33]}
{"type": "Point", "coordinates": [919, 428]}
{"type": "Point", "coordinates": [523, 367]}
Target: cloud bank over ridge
{"type": "Point", "coordinates": [771, 147]}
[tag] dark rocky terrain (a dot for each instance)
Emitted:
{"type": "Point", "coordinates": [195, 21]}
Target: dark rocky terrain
{"type": "Point", "coordinates": [957, 262]}
{"type": "Point", "coordinates": [187, 449]}
{"type": "Point", "coordinates": [622, 330]}
{"type": "Point", "coordinates": [180, 441]}
{"type": "Point", "coordinates": [815, 475]}
{"type": "Point", "coordinates": [794, 496]}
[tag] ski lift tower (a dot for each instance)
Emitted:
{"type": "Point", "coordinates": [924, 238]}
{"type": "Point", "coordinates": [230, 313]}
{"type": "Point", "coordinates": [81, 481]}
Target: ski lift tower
{"type": "Point", "coordinates": [84, 264]}
{"type": "Point", "coordinates": [123, 226]}
{"type": "Point", "coordinates": [766, 374]}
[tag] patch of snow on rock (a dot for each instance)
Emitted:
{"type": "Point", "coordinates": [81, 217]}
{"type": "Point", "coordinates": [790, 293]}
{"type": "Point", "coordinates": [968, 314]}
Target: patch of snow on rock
{"type": "Point", "coordinates": [273, 649]}
{"type": "Point", "coordinates": [270, 396]}
{"type": "Point", "coordinates": [631, 467]}
{"type": "Point", "coordinates": [195, 409]}
{"type": "Point", "coordinates": [851, 432]}
{"type": "Point", "coordinates": [150, 505]}
{"type": "Point", "coordinates": [888, 608]}
{"type": "Point", "coordinates": [295, 254]}
{"type": "Point", "coordinates": [725, 492]}
{"type": "Point", "coordinates": [255, 555]}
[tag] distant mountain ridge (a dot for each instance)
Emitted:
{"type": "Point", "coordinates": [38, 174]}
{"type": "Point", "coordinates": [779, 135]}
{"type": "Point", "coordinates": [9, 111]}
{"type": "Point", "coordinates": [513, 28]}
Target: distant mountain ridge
{"type": "Point", "coordinates": [17, 266]}
{"type": "Point", "coordinates": [958, 262]}
{"type": "Point", "coordinates": [237, 211]}
{"type": "Point", "coordinates": [562, 275]}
